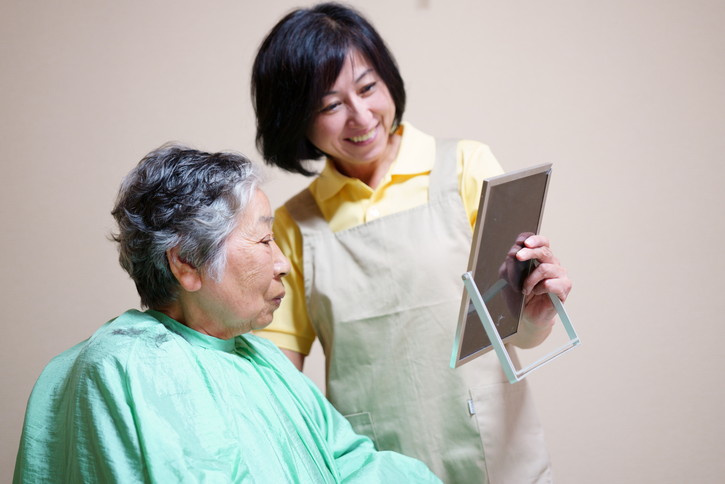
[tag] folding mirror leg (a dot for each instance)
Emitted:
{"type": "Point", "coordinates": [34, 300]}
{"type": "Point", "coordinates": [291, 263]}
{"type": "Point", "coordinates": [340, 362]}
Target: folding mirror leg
{"type": "Point", "coordinates": [509, 369]}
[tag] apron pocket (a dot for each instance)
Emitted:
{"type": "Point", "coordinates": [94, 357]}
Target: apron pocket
{"type": "Point", "coordinates": [362, 423]}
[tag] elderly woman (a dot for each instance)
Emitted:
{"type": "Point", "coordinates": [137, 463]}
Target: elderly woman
{"type": "Point", "coordinates": [378, 243]}
{"type": "Point", "coordinates": [182, 392]}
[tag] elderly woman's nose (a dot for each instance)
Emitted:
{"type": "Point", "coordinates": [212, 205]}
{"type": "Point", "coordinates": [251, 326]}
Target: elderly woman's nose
{"type": "Point", "coordinates": [281, 263]}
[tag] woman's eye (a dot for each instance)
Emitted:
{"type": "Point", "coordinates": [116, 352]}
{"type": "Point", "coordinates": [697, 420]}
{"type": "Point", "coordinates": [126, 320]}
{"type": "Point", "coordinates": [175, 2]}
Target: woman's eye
{"type": "Point", "coordinates": [267, 240]}
{"type": "Point", "coordinates": [330, 107]}
{"type": "Point", "coordinates": [368, 88]}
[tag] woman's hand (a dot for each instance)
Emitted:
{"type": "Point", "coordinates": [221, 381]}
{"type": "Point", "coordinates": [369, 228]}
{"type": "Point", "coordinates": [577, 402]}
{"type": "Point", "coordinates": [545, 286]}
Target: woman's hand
{"type": "Point", "coordinates": [547, 277]}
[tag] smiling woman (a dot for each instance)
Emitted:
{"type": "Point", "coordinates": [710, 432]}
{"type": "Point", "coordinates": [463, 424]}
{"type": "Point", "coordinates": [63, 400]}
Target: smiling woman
{"type": "Point", "coordinates": [354, 123]}
{"type": "Point", "coordinates": [390, 204]}
{"type": "Point", "coordinates": [181, 391]}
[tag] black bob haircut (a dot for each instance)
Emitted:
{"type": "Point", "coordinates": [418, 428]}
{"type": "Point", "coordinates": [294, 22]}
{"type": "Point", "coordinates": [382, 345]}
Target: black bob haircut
{"type": "Point", "coordinates": [297, 64]}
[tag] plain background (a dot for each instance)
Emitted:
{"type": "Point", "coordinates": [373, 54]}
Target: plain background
{"type": "Point", "coordinates": [626, 98]}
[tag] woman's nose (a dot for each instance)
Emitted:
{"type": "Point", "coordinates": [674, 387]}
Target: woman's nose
{"type": "Point", "coordinates": [281, 263]}
{"type": "Point", "coordinates": [359, 113]}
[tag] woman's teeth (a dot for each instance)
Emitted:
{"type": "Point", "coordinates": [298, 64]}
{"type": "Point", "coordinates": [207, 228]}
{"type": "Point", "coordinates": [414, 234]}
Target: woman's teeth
{"type": "Point", "coordinates": [364, 137]}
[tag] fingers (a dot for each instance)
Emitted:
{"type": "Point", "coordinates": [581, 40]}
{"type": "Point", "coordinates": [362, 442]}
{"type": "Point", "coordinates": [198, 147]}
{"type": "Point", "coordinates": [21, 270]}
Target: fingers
{"type": "Point", "coordinates": [537, 247]}
{"type": "Point", "coordinates": [548, 277]}
{"type": "Point", "coordinates": [521, 238]}
{"type": "Point", "coordinates": [535, 240]}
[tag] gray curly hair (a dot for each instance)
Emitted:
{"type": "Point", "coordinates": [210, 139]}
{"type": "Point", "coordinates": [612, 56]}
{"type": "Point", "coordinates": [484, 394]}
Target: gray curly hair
{"type": "Point", "coordinates": [179, 197]}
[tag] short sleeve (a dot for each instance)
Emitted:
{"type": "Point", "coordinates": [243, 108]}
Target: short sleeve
{"type": "Point", "coordinates": [475, 163]}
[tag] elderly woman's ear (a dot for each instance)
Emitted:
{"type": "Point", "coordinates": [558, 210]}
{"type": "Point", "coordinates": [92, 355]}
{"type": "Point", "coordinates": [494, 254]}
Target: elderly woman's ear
{"type": "Point", "coordinates": [187, 275]}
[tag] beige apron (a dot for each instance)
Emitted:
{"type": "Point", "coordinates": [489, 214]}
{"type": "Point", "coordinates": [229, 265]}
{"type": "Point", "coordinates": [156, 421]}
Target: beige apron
{"type": "Point", "coordinates": [383, 298]}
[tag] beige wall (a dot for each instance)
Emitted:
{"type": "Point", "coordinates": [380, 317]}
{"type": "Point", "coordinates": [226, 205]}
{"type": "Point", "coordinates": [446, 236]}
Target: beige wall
{"type": "Point", "coordinates": [626, 98]}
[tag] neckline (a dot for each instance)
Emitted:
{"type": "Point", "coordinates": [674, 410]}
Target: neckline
{"type": "Point", "coordinates": [193, 337]}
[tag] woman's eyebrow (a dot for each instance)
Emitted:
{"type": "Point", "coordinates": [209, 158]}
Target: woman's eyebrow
{"type": "Point", "coordinates": [359, 78]}
{"type": "Point", "coordinates": [365, 73]}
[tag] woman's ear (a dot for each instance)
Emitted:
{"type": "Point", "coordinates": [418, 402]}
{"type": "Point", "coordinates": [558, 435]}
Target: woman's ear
{"type": "Point", "coordinates": [187, 275]}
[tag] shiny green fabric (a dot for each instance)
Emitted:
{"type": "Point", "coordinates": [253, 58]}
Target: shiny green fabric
{"type": "Point", "coordinates": [146, 399]}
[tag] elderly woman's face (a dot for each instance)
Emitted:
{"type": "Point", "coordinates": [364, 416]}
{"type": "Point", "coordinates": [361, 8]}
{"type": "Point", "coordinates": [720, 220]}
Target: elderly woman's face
{"type": "Point", "coordinates": [251, 286]}
{"type": "Point", "coordinates": [356, 116]}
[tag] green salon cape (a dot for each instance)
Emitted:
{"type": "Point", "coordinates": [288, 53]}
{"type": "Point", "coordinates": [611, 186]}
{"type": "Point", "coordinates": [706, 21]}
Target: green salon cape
{"type": "Point", "coordinates": [146, 399]}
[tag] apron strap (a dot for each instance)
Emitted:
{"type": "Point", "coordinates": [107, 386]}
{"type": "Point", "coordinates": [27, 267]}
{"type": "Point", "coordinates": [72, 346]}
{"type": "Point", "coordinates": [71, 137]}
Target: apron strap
{"type": "Point", "coordinates": [304, 210]}
{"type": "Point", "coordinates": [443, 177]}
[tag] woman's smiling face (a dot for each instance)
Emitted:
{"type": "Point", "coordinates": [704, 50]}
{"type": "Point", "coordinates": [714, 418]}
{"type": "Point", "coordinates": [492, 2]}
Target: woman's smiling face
{"type": "Point", "coordinates": [353, 125]}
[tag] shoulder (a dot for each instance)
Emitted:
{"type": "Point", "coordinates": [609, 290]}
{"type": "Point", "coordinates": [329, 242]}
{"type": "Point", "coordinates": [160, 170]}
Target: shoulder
{"type": "Point", "coordinates": [303, 209]}
{"type": "Point", "coordinates": [130, 343]}
{"type": "Point", "coordinates": [300, 201]}
{"type": "Point", "coordinates": [471, 155]}
{"type": "Point", "coordinates": [129, 329]}
{"type": "Point", "coordinates": [114, 347]}
{"type": "Point", "coordinates": [469, 150]}
{"type": "Point", "coordinates": [476, 160]}
{"type": "Point", "coordinates": [411, 134]}
{"type": "Point", "coordinates": [415, 144]}
{"type": "Point", "coordinates": [299, 196]}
